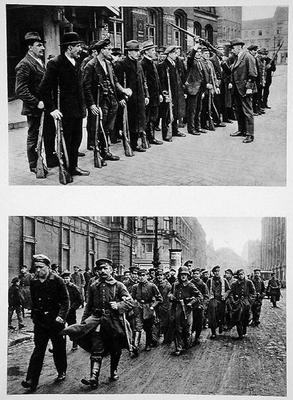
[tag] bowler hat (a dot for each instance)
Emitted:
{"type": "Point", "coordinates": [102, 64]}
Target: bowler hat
{"type": "Point", "coordinates": [235, 42]}
{"type": "Point", "coordinates": [252, 47]}
{"type": "Point", "coordinates": [216, 267]}
{"type": "Point", "coordinates": [132, 45]}
{"type": "Point", "coordinates": [170, 49]}
{"type": "Point", "coordinates": [65, 274]}
{"type": "Point", "coordinates": [42, 258]}
{"type": "Point", "coordinates": [33, 37]}
{"type": "Point", "coordinates": [101, 44]}
{"type": "Point", "coordinates": [147, 45]}
{"type": "Point", "coordinates": [102, 261]}
{"type": "Point", "coordinates": [70, 38]}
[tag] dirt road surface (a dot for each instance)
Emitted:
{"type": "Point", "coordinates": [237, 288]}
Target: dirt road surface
{"type": "Point", "coordinates": [254, 366]}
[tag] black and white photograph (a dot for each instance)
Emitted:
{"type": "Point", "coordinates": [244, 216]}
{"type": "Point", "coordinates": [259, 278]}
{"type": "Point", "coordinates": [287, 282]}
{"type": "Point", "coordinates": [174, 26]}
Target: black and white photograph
{"type": "Point", "coordinates": [147, 305]}
{"type": "Point", "coordinates": [153, 96]}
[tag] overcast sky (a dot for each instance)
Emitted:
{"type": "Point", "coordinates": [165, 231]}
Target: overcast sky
{"type": "Point", "coordinates": [257, 12]}
{"type": "Point", "coordinates": [231, 232]}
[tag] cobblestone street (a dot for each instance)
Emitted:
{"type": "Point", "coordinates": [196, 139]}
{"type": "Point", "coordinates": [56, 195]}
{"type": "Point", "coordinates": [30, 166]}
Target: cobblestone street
{"type": "Point", "coordinates": [254, 366]}
{"type": "Point", "coordinates": [214, 158]}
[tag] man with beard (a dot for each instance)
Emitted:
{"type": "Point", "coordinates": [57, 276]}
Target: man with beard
{"type": "Point", "coordinates": [260, 292]}
{"type": "Point", "coordinates": [195, 86]}
{"type": "Point", "coordinates": [101, 89]}
{"type": "Point", "coordinates": [244, 73]}
{"type": "Point", "coordinates": [183, 295]}
{"type": "Point", "coordinates": [29, 74]}
{"type": "Point", "coordinates": [103, 328]}
{"type": "Point", "coordinates": [162, 309]}
{"type": "Point", "coordinates": [50, 305]}
{"type": "Point", "coordinates": [63, 73]}
{"type": "Point", "coordinates": [175, 93]}
{"type": "Point", "coordinates": [218, 289]}
{"type": "Point", "coordinates": [242, 294]}
{"type": "Point", "coordinates": [154, 87]}
{"type": "Point", "coordinates": [147, 297]}
{"type": "Point", "coordinates": [200, 306]}
{"type": "Point", "coordinates": [130, 74]}
{"type": "Point", "coordinates": [75, 302]}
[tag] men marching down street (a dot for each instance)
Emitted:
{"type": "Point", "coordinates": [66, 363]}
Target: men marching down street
{"type": "Point", "coordinates": [130, 75]}
{"type": "Point", "coordinates": [63, 72]}
{"type": "Point", "coordinates": [29, 74]}
{"type": "Point", "coordinates": [218, 289]}
{"type": "Point", "coordinates": [103, 329]}
{"type": "Point", "coordinates": [260, 292]}
{"type": "Point", "coordinates": [244, 73]}
{"type": "Point", "coordinates": [199, 307]}
{"type": "Point", "coordinates": [50, 305]}
{"type": "Point", "coordinates": [241, 294]}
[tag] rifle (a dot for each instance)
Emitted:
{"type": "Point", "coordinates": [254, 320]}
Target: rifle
{"type": "Point", "coordinates": [169, 130]}
{"type": "Point", "coordinates": [64, 176]}
{"type": "Point", "coordinates": [97, 155]}
{"type": "Point", "coordinates": [125, 133]}
{"type": "Point", "coordinates": [41, 170]}
{"type": "Point", "coordinates": [183, 308]}
{"type": "Point", "coordinates": [102, 129]}
{"type": "Point", "coordinates": [275, 55]}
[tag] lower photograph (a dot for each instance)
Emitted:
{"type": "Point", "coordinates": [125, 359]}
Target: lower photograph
{"type": "Point", "coordinates": [152, 304]}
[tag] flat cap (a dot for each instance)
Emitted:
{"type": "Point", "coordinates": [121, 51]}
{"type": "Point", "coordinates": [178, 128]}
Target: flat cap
{"type": "Point", "coordinates": [132, 45]}
{"type": "Point", "coordinates": [252, 47]}
{"type": "Point", "coordinates": [101, 44]}
{"type": "Point", "coordinates": [33, 36]}
{"type": "Point", "coordinates": [65, 274]}
{"type": "Point", "coordinates": [237, 41]}
{"type": "Point", "coordinates": [41, 258]}
{"type": "Point", "coordinates": [116, 51]}
{"type": "Point", "coordinates": [170, 49]}
{"type": "Point", "coordinates": [149, 44]}
{"type": "Point", "coordinates": [142, 271]}
{"type": "Point", "coordinates": [133, 268]}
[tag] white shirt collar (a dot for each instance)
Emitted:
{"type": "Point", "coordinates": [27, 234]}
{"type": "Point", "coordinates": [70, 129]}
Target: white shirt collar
{"type": "Point", "coordinates": [72, 60]}
{"type": "Point", "coordinates": [37, 59]}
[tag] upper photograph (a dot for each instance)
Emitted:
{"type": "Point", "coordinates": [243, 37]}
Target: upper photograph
{"type": "Point", "coordinates": [160, 96]}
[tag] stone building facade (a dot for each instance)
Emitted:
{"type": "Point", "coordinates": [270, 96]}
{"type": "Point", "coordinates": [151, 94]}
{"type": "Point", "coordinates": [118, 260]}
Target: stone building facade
{"type": "Point", "coordinates": [269, 33]}
{"type": "Point", "coordinates": [179, 233]}
{"type": "Point", "coordinates": [70, 241]}
{"type": "Point", "coordinates": [273, 246]}
{"type": "Point", "coordinates": [229, 23]}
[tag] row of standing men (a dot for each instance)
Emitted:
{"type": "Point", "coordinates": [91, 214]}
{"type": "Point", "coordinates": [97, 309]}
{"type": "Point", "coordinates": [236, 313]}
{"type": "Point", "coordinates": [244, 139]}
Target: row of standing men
{"type": "Point", "coordinates": [205, 90]}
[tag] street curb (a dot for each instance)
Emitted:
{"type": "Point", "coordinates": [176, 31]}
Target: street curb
{"type": "Point", "coordinates": [19, 340]}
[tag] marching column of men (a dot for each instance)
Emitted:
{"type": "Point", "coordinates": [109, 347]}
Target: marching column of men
{"type": "Point", "coordinates": [207, 89]}
{"type": "Point", "coordinates": [175, 309]}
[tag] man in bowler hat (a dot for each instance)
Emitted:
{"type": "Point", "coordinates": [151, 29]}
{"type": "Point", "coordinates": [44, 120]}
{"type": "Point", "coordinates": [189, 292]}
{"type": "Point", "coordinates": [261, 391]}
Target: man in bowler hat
{"type": "Point", "coordinates": [63, 72]}
{"type": "Point", "coordinates": [29, 74]}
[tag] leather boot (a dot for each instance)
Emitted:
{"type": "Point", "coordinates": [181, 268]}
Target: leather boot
{"type": "Point", "coordinates": [136, 342]}
{"type": "Point", "coordinates": [115, 357]}
{"type": "Point", "coordinates": [152, 139]}
{"type": "Point", "coordinates": [96, 363]}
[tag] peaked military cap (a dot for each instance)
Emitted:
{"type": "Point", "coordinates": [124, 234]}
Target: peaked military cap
{"type": "Point", "coordinates": [184, 270]}
{"type": "Point", "coordinates": [101, 44]}
{"type": "Point", "coordinates": [42, 258]}
{"type": "Point", "coordinates": [102, 261]}
{"type": "Point", "coordinates": [65, 274]}
{"type": "Point", "coordinates": [142, 271]}
{"type": "Point", "coordinates": [133, 268]}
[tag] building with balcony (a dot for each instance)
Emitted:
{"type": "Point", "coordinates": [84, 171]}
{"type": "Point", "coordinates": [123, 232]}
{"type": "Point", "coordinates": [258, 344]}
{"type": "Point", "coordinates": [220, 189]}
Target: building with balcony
{"type": "Point", "coordinates": [181, 233]}
{"type": "Point", "coordinates": [273, 246]}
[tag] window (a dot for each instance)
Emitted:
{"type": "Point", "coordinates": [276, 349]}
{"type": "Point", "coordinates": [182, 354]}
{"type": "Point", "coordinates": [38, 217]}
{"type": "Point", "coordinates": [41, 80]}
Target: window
{"type": "Point", "coordinates": [151, 26]}
{"type": "Point", "coordinates": [260, 32]}
{"type": "Point", "coordinates": [209, 33]}
{"type": "Point", "coordinates": [29, 228]}
{"type": "Point", "coordinates": [66, 236]}
{"type": "Point", "coordinates": [197, 28]}
{"type": "Point", "coordinates": [65, 259]}
{"type": "Point", "coordinates": [166, 225]}
{"type": "Point", "coordinates": [150, 224]}
{"type": "Point", "coordinates": [92, 243]}
{"type": "Point", "coordinates": [149, 247]}
{"type": "Point", "coordinates": [29, 251]}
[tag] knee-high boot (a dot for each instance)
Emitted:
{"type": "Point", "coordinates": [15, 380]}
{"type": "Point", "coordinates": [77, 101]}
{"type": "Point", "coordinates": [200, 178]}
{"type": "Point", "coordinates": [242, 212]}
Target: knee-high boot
{"type": "Point", "coordinates": [115, 357]}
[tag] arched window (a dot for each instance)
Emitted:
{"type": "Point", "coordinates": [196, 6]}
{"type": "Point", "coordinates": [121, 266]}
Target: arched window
{"type": "Point", "coordinates": [180, 37]}
{"type": "Point", "coordinates": [209, 33]}
{"type": "Point", "coordinates": [197, 28]}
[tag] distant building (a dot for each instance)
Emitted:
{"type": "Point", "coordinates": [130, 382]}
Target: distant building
{"type": "Point", "coordinates": [173, 233]}
{"type": "Point", "coordinates": [229, 23]}
{"type": "Point", "coordinates": [253, 254]}
{"type": "Point", "coordinates": [269, 33]}
{"type": "Point", "coordinates": [273, 246]}
{"type": "Point", "coordinates": [69, 241]}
